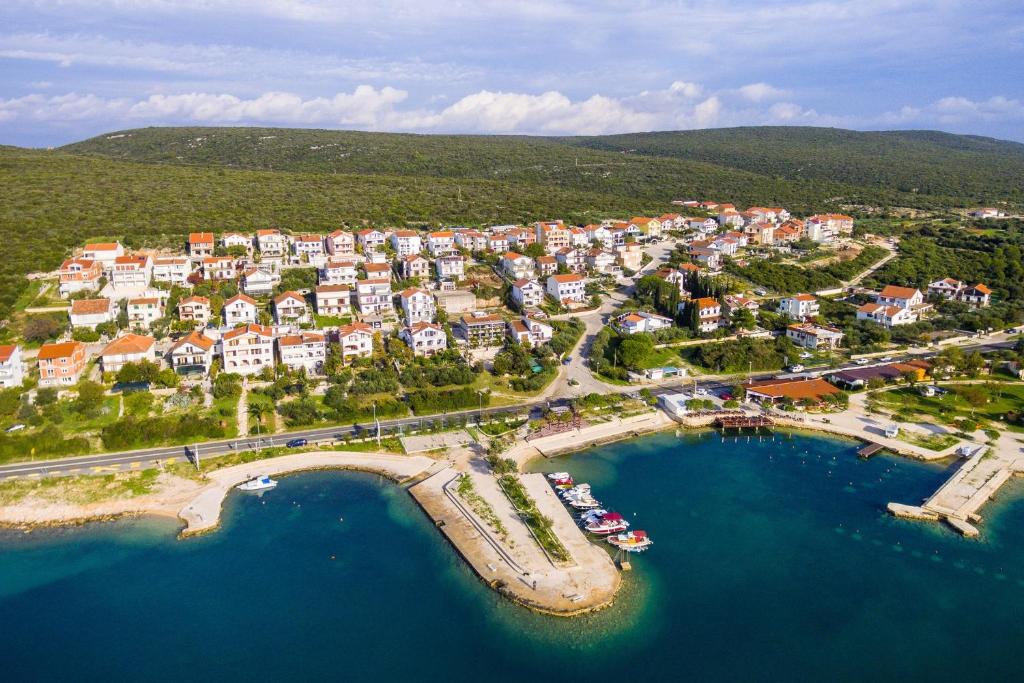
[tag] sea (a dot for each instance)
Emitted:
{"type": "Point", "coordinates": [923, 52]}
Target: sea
{"type": "Point", "coordinates": [773, 560]}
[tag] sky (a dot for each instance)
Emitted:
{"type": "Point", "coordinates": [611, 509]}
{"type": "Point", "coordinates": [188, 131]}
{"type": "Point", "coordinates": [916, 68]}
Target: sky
{"type": "Point", "coordinates": [71, 69]}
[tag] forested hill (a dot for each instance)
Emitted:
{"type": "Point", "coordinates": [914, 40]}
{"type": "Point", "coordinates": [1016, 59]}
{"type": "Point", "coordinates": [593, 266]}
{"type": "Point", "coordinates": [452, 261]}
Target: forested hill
{"type": "Point", "coordinates": [801, 168]}
{"type": "Point", "coordinates": [973, 168]}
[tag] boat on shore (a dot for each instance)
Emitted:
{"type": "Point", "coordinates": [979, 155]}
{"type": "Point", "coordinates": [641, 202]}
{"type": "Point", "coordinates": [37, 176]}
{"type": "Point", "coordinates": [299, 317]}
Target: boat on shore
{"type": "Point", "coordinates": [631, 541]}
{"type": "Point", "coordinates": [608, 523]}
{"type": "Point", "coordinates": [260, 483]}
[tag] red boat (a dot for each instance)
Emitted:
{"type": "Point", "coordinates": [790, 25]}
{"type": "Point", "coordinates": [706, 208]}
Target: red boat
{"type": "Point", "coordinates": [608, 523]}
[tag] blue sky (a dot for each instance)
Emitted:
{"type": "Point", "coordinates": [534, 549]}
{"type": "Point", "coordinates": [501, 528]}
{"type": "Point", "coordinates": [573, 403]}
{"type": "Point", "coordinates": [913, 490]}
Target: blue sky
{"type": "Point", "coordinates": [70, 69]}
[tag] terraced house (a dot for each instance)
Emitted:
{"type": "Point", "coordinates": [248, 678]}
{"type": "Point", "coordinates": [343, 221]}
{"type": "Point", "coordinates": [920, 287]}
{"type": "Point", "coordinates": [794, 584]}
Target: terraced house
{"type": "Point", "coordinates": [481, 329]}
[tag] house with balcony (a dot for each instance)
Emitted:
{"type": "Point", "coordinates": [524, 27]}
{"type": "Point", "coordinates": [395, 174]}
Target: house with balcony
{"type": "Point", "coordinates": [143, 311]}
{"type": "Point", "coordinates": [497, 244]}
{"type": "Point", "coordinates": [567, 289]}
{"type": "Point", "coordinates": [887, 316]}
{"type": "Point", "coordinates": [450, 267]}
{"type": "Point", "coordinates": [219, 268]}
{"type": "Point", "coordinates": [272, 244]}
{"type": "Point", "coordinates": [193, 353]}
{"type": "Point", "coordinates": [814, 337]}
{"type": "Point", "coordinates": [195, 309]}
{"type": "Point", "coordinates": [129, 348]}
{"type": "Point", "coordinates": [481, 329]}
{"type": "Point", "coordinates": [247, 350]}
{"type": "Point", "coordinates": [642, 321]}
{"type": "Point", "coordinates": [530, 331]}
{"type": "Point", "coordinates": [309, 247]}
{"type": "Point", "coordinates": [355, 341]}
{"type": "Point", "coordinates": [425, 339]}
{"type": "Point", "coordinates": [92, 312]}
{"type": "Point", "coordinates": [546, 265]}
{"type": "Point", "coordinates": [902, 297]}
{"type": "Point", "coordinates": [517, 266]}
{"type": "Point", "coordinates": [291, 308]}
{"type": "Point", "coordinates": [600, 260]}
{"type": "Point", "coordinates": [199, 245]}
{"type": "Point", "coordinates": [471, 240]}
{"type": "Point", "coordinates": [12, 366]}
{"type": "Point", "coordinates": [307, 351]}
{"type": "Point", "coordinates": [173, 270]}
{"type": "Point", "coordinates": [257, 282]}
{"type": "Point", "coordinates": [339, 272]}
{"type": "Point", "coordinates": [61, 364]}
{"type": "Point", "coordinates": [239, 310]}
{"type": "Point", "coordinates": [414, 265]}
{"type": "Point", "coordinates": [131, 272]}
{"type": "Point", "coordinates": [441, 242]}
{"type": "Point", "coordinates": [333, 300]}
{"type": "Point", "coordinates": [79, 275]}
{"type": "Point", "coordinates": [377, 271]}
{"type": "Point", "coordinates": [417, 305]}
{"type": "Point", "coordinates": [406, 242]}
{"type": "Point", "coordinates": [236, 240]}
{"type": "Point", "coordinates": [574, 260]}
{"type": "Point", "coordinates": [371, 239]}
{"type": "Point", "coordinates": [340, 243]}
{"type": "Point", "coordinates": [103, 253]}
{"type": "Point", "coordinates": [373, 297]}
{"type": "Point", "coordinates": [709, 313]}
{"type": "Point", "coordinates": [799, 307]}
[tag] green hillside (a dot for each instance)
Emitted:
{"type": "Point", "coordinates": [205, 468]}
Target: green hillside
{"type": "Point", "coordinates": [966, 169]}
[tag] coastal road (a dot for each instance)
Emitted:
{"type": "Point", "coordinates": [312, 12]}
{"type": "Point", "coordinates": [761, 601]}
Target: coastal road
{"type": "Point", "coordinates": [108, 463]}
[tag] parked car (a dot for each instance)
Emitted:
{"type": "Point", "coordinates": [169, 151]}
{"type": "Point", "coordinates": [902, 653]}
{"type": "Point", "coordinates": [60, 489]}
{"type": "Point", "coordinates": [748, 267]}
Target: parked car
{"type": "Point", "coordinates": [886, 359]}
{"type": "Point", "coordinates": [862, 361]}
{"type": "Point", "coordinates": [806, 354]}
{"type": "Point", "coordinates": [296, 443]}
{"type": "Point", "coordinates": [796, 368]}
{"type": "Point", "coordinates": [15, 428]}
{"type": "Point", "coordinates": [727, 396]}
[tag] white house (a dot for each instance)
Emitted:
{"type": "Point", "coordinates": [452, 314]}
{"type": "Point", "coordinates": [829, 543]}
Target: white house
{"type": "Point", "coordinates": [195, 308]}
{"type": "Point", "coordinates": [239, 310]}
{"type": "Point", "coordinates": [248, 349]}
{"type": "Point", "coordinates": [143, 311]}
{"type": "Point", "coordinates": [373, 297]}
{"type": "Point", "coordinates": [172, 269]}
{"type": "Point", "coordinates": [471, 240]}
{"type": "Point", "coordinates": [272, 244]}
{"type": "Point", "coordinates": [219, 268]}
{"type": "Point", "coordinates": [257, 282]}
{"type": "Point", "coordinates": [441, 242]}
{"type": "Point", "coordinates": [527, 293]}
{"type": "Point", "coordinates": [12, 366]}
{"type": "Point", "coordinates": [415, 265]}
{"type": "Point", "coordinates": [334, 300]}
{"type": "Point", "coordinates": [709, 313]}
{"type": "Point", "coordinates": [307, 350]}
{"type": "Point", "coordinates": [193, 353]}
{"type": "Point", "coordinates": [339, 272]}
{"type": "Point", "coordinates": [902, 297]}
{"type": "Point", "coordinates": [406, 242]}
{"type": "Point", "coordinates": [569, 288]}
{"type": "Point", "coordinates": [370, 239]}
{"type": "Point", "coordinates": [574, 260]}
{"type": "Point", "coordinates": [498, 243]}
{"type": "Point", "coordinates": [355, 341]}
{"type": "Point", "coordinates": [79, 275]}
{"type": "Point", "coordinates": [341, 243]}
{"type": "Point", "coordinates": [377, 271]}
{"type": "Point", "coordinates": [231, 240]}
{"type": "Point", "coordinates": [417, 305]}
{"type": "Point", "coordinates": [530, 331]}
{"type": "Point", "coordinates": [480, 328]}
{"type": "Point", "coordinates": [130, 348]}
{"type": "Point", "coordinates": [425, 339]}
{"type": "Point", "coordinates": [600, 260]}
{"type": "Point", "coordinates": [451, 266]}
{"type": "Point", "coordinates": [641, 321]}
{"type": "Point", "coordinates": [310, 246]}
{"type": "Point", "coordinates": [104, 253]}
{"type": "Point", "coordinates": [517, 266]}
{"type": "Point", "coordinates": [815, 337]}
{"type": "Point", "coordinates": [888, 316]}
{"type": "Point", "coordinates": [131, 272]}
{"type": "Point", "coordinates": [199, 244]}
{"type": "Point", "coordinates": [290, 307]}
{"type": "Point", "coordinates": [799, 307]}
{"type": "Point", "coordinates": [92, 312]}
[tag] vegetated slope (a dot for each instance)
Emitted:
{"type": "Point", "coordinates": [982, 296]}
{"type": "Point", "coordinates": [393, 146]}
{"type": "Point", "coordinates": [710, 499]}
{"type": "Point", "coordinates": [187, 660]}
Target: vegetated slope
{"type": "Point", "coordinates": [534, 160]}
{"type": "Point", "coordinates": [967, 169]}
{"type": "Point", "coordinates": [51, 202]}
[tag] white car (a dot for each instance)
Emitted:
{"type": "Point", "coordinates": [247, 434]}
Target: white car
{"type": "Point", "coordinates": [862, 361]}
{"type": "Point", "coordinates": [886, 359]}
{"type": "Point", "coordinates": [15, 428]}
{"type": "Point", "coordinates": [806, 354]}
{"type": "Point", "coordinates": [701, 391]}
{"type": "Point", "coordinates": [796, 368]}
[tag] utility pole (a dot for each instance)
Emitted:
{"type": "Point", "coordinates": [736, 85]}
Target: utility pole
{"type": "Point", "coordinates": [376, 423]}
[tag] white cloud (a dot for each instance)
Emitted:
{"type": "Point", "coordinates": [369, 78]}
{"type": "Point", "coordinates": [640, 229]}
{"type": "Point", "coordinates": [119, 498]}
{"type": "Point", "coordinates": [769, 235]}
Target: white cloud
{"type": "Point", "coordinates": [956, 111]}
{"type": "Point", "coordinates": [759, 92]}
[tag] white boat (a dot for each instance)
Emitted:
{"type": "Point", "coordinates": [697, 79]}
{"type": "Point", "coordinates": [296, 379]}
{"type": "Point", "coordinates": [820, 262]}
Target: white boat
{"type": "Point", "coordinates": [631, 541]}
{"type": "Point", "coordinates": [578, 490]}
{"type": "Point", "coordinates": [258, 484]}
{"type": "Point", "coordinates": [584, 502]}
{"type": "Point", "coordinates": [592, 514]}
{"type": "Point", "coordinates": [559, 475]}
{"type": "Point", "coordinates": [608, 523]}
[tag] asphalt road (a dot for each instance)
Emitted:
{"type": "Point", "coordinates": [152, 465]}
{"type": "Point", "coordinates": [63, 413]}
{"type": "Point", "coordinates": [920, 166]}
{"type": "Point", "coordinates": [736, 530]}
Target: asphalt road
{"type": "Point", "coordinates": [105, 463]}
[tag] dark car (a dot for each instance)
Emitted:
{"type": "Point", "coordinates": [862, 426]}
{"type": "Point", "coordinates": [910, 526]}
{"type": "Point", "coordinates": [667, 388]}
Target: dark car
{"type": "Point", "coordinates": [296, 443]}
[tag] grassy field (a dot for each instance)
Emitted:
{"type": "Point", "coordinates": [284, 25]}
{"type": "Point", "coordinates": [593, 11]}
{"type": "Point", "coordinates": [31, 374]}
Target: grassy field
{"type": "Point", "coordinates": [983, 400]}
{"type": "Point", "coordinates": [80, 490]}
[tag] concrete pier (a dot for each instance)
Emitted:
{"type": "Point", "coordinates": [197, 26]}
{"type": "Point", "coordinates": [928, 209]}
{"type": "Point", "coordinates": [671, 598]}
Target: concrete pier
{"type": "Point", "coordinates": [959, 500]}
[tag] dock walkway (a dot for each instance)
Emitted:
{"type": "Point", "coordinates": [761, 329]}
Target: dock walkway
{"type": "Point", "coordinates": [976, 481]}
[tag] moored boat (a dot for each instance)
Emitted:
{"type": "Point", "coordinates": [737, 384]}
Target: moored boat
{"type": "Point", "coordinates": [258, 484]}
{"type": "Point", "coordinates": [608, 523]}
{"type": "Point", "coordinates": [555, 476]}
{"type": "Point", "coordinates": [588, 515]}
{"type": "Point", "coordinates": [631, 541]}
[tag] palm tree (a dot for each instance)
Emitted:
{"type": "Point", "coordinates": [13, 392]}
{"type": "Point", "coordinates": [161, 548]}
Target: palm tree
{"type": "Point", "coordinates": [256, 412]}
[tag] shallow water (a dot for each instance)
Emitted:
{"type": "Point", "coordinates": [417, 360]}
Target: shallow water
{"type": "Point", "coordinates": [773, 559]}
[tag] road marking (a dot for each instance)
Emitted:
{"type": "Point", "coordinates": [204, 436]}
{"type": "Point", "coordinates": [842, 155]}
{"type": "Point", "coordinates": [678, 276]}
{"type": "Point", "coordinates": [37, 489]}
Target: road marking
{"type": "Point", "coordinates": [135, 465]}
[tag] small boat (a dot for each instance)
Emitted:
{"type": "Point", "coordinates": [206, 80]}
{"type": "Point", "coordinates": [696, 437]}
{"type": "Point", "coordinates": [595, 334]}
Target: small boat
{"type": "Point", "coordinates": [563, 484]}
{"type": "Point", "coordinates": [584, 502]}
{"type": "Point", "coordinates": [258, 484]}
{"type": "Point", "coordinates": [577, 490]}
{"type": "Point", "coordinates": [631, 541]}
{"type": "Point", "coordinates": [592, 514]}
{"type": "Point", "coordinates": [555, 476]}
{"type": "Point", "coordinates": [608, 523]}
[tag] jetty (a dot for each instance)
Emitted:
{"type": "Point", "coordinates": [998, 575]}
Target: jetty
{"type": "Point", "coordinates": [958, 501]}
{"type": "Point", "coordinates": [869, 450]}
{"type": "Point", "coordinates": [743, 421]}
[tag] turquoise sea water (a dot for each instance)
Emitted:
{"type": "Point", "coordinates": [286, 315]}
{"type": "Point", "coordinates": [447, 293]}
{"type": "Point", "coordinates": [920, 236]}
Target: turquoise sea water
{"type": "Point", "coordinates": [773, 560]}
